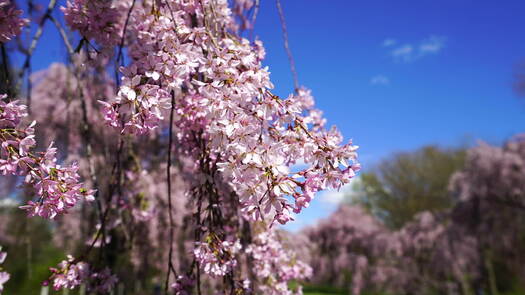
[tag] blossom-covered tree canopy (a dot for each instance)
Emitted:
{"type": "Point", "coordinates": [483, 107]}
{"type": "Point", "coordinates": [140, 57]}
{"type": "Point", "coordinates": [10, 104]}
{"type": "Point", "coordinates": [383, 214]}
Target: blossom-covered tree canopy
{"type": "Point", "coordinates": [164, 121]}
{"type": "Point", "coordinates": [474, 246]}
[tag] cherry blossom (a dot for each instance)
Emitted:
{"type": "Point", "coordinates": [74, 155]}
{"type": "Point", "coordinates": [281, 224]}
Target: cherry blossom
{"type": "Point", "coordinates": [95, 19]}
{"type": "Point", "coordinates": [57, 187]}
{"type": "Point", "coordinates": [274, 266]}
{"type": "Point", "coordinates": [217, 259]}
{"type": "Point", "coordinates": [4, 276]}
{"type": "Point", "coordinates": [10, 21]}
{"type": "Point", "coordinates": [222, 92]}
{"type": "Point", "coordinates": [71, 273]}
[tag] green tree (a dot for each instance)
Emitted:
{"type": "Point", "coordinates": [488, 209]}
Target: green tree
{"type": "Point", "coordinates": [408, 183]}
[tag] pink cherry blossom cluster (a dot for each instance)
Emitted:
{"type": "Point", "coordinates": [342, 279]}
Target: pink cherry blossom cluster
{"type": "Point", "coordinates": [182, 283]}
{"type": "Point", "coordinates": [95, 19]}
{"type": "Point", "coordinates": [57, 187]}
{"type": "Point", "coordinates": [145, 102]}
{"type": "Point", "coordinates": [71, 273]}
{"type": "Point", "coordinates": [216, 258]}
{"type": "Point", "coordinates": [221, 91]}
{"type": "Point", "coordinates": [274, 265]}
{"type": "Point", "coordinates": [10, 21]}
{"type": "Point", "coordinates": [4, 276]}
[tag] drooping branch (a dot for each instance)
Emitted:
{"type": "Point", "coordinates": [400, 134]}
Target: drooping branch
{"type": "Point", "coordinates": [287, 45]}
{"type": "Point", "coordinates": [29, 52]}
{"type": "Point", "coordinates": [170, 267]}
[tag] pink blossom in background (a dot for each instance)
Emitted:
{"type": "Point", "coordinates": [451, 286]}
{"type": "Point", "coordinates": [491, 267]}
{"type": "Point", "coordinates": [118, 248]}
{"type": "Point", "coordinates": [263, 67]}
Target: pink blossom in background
{"type": "Point", "coordinates": [10, 21]}
{"type": "Point", "coordinates": [352, 249]}
{"type": "Point", "coordinates": [96, 19]}
{"type": "Point", "coordinates": [4, 276]}
{"type": "Point", "coordinates": [71, 273]}
{"type": "Point", "coordinates": [274, 265]}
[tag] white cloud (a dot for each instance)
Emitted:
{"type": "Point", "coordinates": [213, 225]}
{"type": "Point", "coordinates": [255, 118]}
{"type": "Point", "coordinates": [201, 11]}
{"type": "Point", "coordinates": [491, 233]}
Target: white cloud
{"type": "Point", "coordinates": [389, 42]}
{"type": "Point", "coordinates": [350, 191]}
{"type": "Point", "coordinates": [8, 203]}
{"type": "Point", "coordinates": [333, 196]}
{"type": "Point", "coordinates": [347, 191]}
{"type": "Point", "coordinates": [404, 52]}
{"type": "Point", "coordinates": [380, 80]}
{"type": "Point", "coordinates": [433, 44]}
{"type": "Point", "coordinates": [410, 52]}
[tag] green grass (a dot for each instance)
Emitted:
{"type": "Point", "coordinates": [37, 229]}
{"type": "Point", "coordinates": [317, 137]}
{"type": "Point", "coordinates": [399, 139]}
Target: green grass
{"type": "Point", "coordinates": [323, 290]}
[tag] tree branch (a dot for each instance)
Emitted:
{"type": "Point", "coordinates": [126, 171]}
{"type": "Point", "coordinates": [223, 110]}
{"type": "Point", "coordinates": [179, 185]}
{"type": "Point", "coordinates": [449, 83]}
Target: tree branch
{"type": "Point", "coordinates": [287, 46]}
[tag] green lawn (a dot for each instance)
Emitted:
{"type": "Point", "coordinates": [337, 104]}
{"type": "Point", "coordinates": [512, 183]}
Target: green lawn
{"type": "Point", "coordinates": [323, 290]}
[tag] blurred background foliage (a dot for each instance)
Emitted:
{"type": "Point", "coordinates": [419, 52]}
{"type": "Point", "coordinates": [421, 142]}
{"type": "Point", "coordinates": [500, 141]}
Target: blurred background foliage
{"type": "Point", "coordinates": [407, 183]}
{"type": "Point", "coordinates": [453, 216]}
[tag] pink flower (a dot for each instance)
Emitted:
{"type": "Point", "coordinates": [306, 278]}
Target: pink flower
{"type": "Point", "coordinates": [182, 284]}
{"type": "Point", "coordinates": [4, 276]}
{"type": "Point", "coordinates": [273, 265]}
{"type": "Point", "coordinates": [10, 22]}
{"type": "Point", "coordinates": [95, 19]}
{"type": "Point", "coordinates": [71, 273]}
{"type": "Point", "coordinates": [58, 187]}
{"type": "Point", "coordinates": [110, 114]}
{"type": "Point", "coordinates": [217, 258]}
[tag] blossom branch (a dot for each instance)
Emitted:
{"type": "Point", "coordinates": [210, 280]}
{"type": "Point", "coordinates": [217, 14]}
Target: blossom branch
{"type": "Point", "coordinates": [29, 53]}
{"type": "Point", "coordinates": [170, 209]}
{"type": "Point", "coordinates": [287, 46]}
{"type": "Point", "coordinates": [60, 29]}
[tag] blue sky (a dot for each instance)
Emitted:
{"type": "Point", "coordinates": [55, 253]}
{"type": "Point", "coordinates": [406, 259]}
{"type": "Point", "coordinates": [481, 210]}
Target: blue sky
{"type": "Point", "coordinates": [394, 75]}
{"type": "Point", "coordinates": [445, 77]}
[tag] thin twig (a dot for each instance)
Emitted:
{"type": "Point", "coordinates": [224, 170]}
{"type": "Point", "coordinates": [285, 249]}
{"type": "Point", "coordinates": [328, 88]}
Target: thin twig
{"type": "Point", "coordinates": [63, 35]}
{"type": "Point", "coordinates": [115, 171]}
{"type": "Point", "coordinates": [168, 177]}
{"type": "Point", "coordinates": [86, 132]}
{"type": "Point", "coordinates": [38, 34]}
{"type": "Point", "coordinates": [121, 45]}
{"type": "Point", "coordinates": [287, 46]}
{"type": "Point", "coordinates": [29, 53]}
{"type": "Point", "coordinates": [254, 17]}
{"type": "Point", "coordinates": [29, 86]}
{"type": "Point", "coordinates": [256, 11]}
{"type": "Point", "coordinates": [5, 65]}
